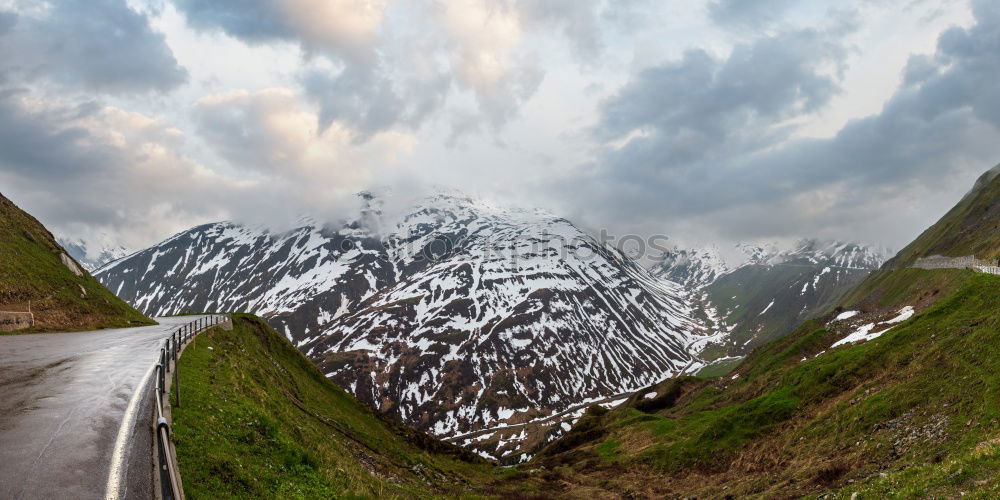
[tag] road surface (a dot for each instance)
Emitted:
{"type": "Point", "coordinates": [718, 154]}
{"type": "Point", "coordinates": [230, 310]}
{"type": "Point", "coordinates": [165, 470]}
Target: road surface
{"type": "Point", "coordinates": [63, 397]}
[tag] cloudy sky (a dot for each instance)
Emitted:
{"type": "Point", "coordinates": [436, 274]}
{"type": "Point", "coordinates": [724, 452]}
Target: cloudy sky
{"type": "Point", "coordinates": [125, 121]}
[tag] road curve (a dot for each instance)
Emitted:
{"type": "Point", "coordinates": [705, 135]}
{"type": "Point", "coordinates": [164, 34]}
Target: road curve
{"type": "Point", "coordinates": [63, 397]}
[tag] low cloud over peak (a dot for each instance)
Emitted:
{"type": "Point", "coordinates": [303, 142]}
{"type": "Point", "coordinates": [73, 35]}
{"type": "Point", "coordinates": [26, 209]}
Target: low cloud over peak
{"type": "Point", "coordinates": [712, 121]}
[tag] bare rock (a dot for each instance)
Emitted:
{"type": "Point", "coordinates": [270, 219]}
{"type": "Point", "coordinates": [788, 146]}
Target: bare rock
{"type": "Point", "coordinates": [68, 262]}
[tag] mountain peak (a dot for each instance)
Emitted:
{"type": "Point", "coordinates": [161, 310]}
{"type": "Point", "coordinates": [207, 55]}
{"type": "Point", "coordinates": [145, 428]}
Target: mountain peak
{"type": "Point", "coordinates": [461, 315]}
{"type": "Point", "coordinates": [692, 268]}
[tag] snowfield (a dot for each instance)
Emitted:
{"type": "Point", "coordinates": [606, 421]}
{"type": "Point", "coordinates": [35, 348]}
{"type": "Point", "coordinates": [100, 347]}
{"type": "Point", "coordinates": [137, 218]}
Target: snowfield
{"type": "Point", "coordinates": [864, 333]}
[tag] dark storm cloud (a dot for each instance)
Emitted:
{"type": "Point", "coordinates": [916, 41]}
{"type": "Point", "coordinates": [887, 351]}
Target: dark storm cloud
{"type": "Point", "coordinates": [7, 21]}
{"type": "Point", "coordinates": [345, 29]}
{"type": "Point", "coordinates": [700, 106]}
{"type": "Point", "coordinates": [384, 80]}
{"type": "Point", "coordinates": [97, 45]}
{"type": "Point", "coordinates": [369, 101]}
{"type": "Point", "coordinates": [710, 143]}
{"type": "Point", "coordinates": [579, 21]}
{"type": "Point", "coordinates": [52, 158]}
{"type": "Point", "coordinates": [37, 146]}
{"type": "Point", "coordinates": [251, 20]}
{"type": "Point", "coordinates": [111, 172]}
{"type": "Point", "coordinates": [748, 13]}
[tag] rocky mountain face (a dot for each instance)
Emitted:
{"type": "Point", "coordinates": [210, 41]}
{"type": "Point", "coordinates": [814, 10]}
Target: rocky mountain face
{"type": "Point", "coordinates": [769, 293]}
{"type": "Point", "coordinates": [461, 317]}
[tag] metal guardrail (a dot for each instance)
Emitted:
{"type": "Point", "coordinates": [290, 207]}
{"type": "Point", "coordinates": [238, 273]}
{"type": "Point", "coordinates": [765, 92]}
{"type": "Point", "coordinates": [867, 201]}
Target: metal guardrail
{"type": "Point", "coordinates": [170, 476]}
{"type": "Point", "coordinates": [964, 262]}
{"type": "Point", "coordinates": [990, 269]}
{"type": "Point", "coordinates": [991, 266]}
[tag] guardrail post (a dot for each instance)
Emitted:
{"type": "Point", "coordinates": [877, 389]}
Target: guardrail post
{"type": "Point", "coordinates": [177, 383]}
{"type": "Point", "coordinates": [163, 381]}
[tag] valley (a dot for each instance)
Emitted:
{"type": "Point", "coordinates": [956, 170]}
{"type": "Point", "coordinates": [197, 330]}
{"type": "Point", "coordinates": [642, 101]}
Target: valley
{"type": "Point", "coordinates": [886, 391]}
{"type": "Point", "coordinates": [528, 249]}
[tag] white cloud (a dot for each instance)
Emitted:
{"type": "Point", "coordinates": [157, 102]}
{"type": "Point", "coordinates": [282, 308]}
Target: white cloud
{"type": "Point", "coordinates": [263, 109]}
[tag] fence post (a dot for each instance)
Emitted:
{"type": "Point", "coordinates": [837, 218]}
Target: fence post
{"type": "Point", "coordinates": [177, 383]}
{"type": "Point", "coordinates": [163, 380]}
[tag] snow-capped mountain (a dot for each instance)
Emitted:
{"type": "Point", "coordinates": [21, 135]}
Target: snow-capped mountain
{"type": "Point", "coordinates": [817, 252]}
{"type": "Point", "coordinates": [522, 315]}
{"type": "Point", "coordinates": [691, 268]}
{"type": "Point", "coordinates": [772, 290]}
{"type": "Point", "coordinates": [461, 317]}
{"type": "Point", "coordinates": [92, 259]}
{"type": "Point", "coordinates": [298, 280]}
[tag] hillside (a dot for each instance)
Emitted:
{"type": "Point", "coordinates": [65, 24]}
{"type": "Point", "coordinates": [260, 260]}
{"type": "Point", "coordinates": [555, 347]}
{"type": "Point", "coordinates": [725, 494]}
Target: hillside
{"type": "Point", "coordinates": [62, 295]}
{"type": "Point", "coordinates": [893, 393]}
{"type": "Point", "coordinates": [911, 412]}
{"type": "Point", "coordinates": [971, 228]}
{"type": "Point", "coordinates": [258, 420]}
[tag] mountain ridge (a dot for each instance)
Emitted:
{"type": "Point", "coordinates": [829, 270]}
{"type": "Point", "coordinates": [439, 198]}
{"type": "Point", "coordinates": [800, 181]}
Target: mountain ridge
{"type": "Point", "coordinates": [456, 295]}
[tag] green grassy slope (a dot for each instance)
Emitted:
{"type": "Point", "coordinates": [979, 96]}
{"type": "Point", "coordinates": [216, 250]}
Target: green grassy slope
{"type": "Point", "coordinates": [898, 415]}
{"type": "Point", "coordinates": [971, 228]}
{"type": "Point", "coordinates": [914, 412]}
{"type": "Point", "coordinates": [31, 270]}
{"type": "Point", "coordinates": [258, 420]}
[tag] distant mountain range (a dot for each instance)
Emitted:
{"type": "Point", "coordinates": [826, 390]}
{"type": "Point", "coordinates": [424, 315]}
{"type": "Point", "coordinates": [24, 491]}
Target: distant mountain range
{"type": "Point", "coordinates": [90, 258]}
{"type": "Point", "coordinates": [462, 316]}
{"type": "Point", "coordinates": [771, 291]}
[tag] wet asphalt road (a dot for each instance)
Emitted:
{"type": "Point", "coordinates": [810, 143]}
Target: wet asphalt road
{"type": "Point", "coordinates": [62, 400]}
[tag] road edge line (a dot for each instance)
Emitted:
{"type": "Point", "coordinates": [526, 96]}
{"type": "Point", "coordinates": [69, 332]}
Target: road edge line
{"type": "Point", "coordinates": [113, 486]}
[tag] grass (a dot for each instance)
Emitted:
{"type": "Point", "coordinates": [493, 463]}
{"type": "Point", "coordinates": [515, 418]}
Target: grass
{"type": "Point", "coordinates": [259, 420]}
{"type": "Point", "coordinates": [31, 270]}
{"type": "Point", "coordinates": [914, 412]}
{"type": "Point", "coordinates": [972, 227]}
{"type": "Point", "coordinates": [718, 368]}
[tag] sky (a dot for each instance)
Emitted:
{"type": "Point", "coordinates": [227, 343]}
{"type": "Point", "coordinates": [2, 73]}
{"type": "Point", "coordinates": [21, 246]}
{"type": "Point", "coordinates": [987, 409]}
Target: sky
{"type": "Point", "coordinates": [123, 122]}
